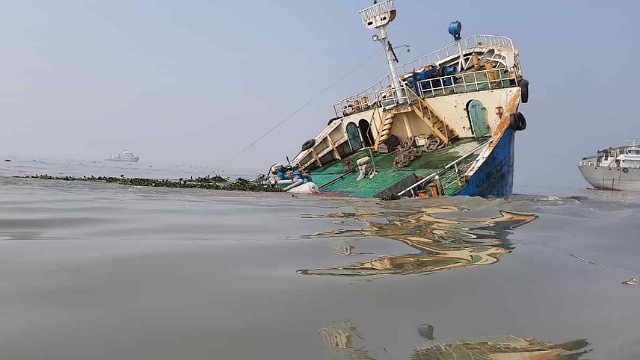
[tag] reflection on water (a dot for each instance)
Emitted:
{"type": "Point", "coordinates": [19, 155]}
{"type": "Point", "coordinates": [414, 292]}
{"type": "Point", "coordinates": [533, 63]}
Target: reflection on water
{"type": "Point", "coordinates": [338, 339]}
{"type": "Point", "coordinates": [502, 347]}
{"type": "Point", "coordinates": [443, 243]}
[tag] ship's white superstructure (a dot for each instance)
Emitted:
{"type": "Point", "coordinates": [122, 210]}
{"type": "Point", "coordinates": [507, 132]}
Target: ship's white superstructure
{"type": "Point", "coordinates": [615, 168]}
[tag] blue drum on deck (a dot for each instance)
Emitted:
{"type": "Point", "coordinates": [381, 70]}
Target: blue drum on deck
{"type": "Point", "coordinates": [448, 71]}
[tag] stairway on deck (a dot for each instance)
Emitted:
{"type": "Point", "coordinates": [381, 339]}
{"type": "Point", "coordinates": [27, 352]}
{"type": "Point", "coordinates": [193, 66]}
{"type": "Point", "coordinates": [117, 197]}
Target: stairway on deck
{"type": "Point", "coordinates": [425, 112]}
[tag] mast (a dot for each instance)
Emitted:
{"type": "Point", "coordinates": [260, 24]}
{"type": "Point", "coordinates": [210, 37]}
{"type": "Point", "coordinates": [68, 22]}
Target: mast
{"type": "Point", "coordinates": [455, 29]}
{"type": "Point", "coordinates": [378, 16]}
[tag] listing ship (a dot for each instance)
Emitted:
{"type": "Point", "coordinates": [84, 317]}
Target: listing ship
{"type": "Point", "coordinates": [442, 124]}
{"type": "Point", "coordinates": [615, 168]}
{"type": "Point", "coordinates": [126, 156]}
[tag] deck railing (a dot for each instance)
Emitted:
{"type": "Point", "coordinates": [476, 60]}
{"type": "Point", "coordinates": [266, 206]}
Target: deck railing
{"type": "Point", "coordinates": [364, 99]}
{"type": "Point", "coordinates": [452, 50]}
{"type": "Point", "coordinates": [454, 178]}
{"type": "Point", "coordinates": [388, 98]}
{"type": "Point", "coordinates": [467, 82]}
{"type": "Point", "coordinates": [458, 83]}
{"type": "Point", "coordinates": [459, 166]}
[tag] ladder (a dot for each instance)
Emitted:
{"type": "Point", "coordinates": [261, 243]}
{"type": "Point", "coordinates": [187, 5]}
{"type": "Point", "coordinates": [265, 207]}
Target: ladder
{"type": "Point", "coordinates": [439, 127]}
{"type": "Point", "coordinates": [424, 111]}
{"type": "Point", "coordinates": [384, 133]}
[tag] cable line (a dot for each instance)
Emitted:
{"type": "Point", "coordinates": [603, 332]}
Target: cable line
{"type": "Point", "coordinates": [299, 109]}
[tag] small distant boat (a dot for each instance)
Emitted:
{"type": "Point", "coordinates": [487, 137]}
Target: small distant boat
{"type": "Point", "coordinates": [615, 168]}
{"type": "Point", "coordinates": [126, 156]}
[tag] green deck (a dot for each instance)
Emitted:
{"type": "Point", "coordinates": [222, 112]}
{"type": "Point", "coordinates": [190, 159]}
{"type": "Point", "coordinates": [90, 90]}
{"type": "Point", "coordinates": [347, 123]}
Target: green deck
{"type": "Point", "coordinates": [386, 175]}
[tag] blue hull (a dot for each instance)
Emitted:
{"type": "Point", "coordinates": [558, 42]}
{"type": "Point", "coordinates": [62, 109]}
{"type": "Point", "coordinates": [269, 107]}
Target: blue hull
{"type": "Point", "coordinates": [495, 176]}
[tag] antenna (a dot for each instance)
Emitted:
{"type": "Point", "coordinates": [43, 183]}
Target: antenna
{"type": "Point", "coordinates": [378, 16]}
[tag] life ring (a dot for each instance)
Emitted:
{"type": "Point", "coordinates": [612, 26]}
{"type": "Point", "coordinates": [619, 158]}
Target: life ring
{"type": "Point", "coordinates": [625, 170]}
{"type": "Point", "coordinates": [524, 91]}
{"type": "Point", "coordinates": [308, 144]}
{"type": "Point", "coordinates": [517, 121]}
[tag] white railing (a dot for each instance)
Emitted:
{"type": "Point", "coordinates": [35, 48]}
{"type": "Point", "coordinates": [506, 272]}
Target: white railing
{"type": "Point", "coordinates": [456, 175]}
{"type": "Point", "coordinates": [364, 99]}
{"type": "Point", "coordinates": [457, 83]}
{"type": "Point", "coordinates": [452, 50]}
{"type": "Point", "coordinates": [388, 98]}
{"type": "Point", "coordinates": [467, 82]}
{"type": "Point", "coordinates": [376, 10]}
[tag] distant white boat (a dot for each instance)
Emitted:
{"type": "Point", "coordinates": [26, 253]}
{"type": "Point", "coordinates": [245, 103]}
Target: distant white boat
{"type": "Point", "coordinates": [615, 168]}
{"type": "Point", "coordinates": [126, 155]}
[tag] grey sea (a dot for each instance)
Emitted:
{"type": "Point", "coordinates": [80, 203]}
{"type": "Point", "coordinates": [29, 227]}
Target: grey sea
{"type": "Point", "coordinates": [102, 271]}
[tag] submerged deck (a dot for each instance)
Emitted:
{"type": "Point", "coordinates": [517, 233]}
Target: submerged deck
{"type": "Point", "coordinates": [387, 176]}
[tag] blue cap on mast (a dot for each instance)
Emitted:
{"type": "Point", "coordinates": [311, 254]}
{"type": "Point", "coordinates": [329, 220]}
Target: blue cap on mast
{"type": "Point", "coordinates": [455, 29]}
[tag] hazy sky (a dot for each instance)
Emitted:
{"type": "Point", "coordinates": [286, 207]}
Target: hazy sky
{"type": "Point", "coordinates": [194, 82]}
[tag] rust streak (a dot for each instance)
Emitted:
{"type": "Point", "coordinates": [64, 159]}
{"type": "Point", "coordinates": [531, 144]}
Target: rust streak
{"type": "Point", "coordinates": [512, 106]}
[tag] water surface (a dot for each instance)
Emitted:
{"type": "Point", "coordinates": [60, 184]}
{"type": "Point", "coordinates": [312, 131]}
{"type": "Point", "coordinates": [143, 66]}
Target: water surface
{"type": "Point", "coordinates": [102, 271]}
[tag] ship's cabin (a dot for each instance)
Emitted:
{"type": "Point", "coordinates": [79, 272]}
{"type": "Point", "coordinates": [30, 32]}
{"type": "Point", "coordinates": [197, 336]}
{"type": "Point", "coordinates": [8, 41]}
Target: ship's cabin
{"type": "Point", "coordinates": [625, 156]}
{"type": "Point", "coordinates": [631, 156]}
{"type": "Point", "coordinates": [606, 157]}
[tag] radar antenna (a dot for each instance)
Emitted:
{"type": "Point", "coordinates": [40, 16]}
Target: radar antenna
{"type": "Point", "coordinates": [378, 16]}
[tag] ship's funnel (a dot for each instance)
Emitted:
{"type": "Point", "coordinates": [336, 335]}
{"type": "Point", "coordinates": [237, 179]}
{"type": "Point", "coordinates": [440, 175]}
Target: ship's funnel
{"type": "Point", "coordinates": [378, 15]}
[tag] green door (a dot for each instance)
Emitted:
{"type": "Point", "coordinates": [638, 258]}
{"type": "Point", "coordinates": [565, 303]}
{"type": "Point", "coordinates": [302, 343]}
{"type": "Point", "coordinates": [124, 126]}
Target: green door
{"type": "Point", "coordinates": [478, 119]}
{"type": "Point", "coordinates": [354, 137]}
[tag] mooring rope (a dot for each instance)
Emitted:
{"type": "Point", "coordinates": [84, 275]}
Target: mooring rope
{"type": "Point", "coordinates": [356, 67]}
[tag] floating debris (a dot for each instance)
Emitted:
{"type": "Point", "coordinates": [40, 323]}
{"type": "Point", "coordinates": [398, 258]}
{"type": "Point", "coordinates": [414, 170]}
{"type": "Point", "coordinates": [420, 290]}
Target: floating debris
{"type": "Point", "coordinates": [502, 347]}
{"type": "Point", "coordinates": [390, 197]}
{"type": "Point", "coordinates": [339, 339]}
{"type": "Point", "coordinates": [632, 281]}
{"type": "Point", "coordinates": [207, 182]}
{"type": "Point", "coordinates": [426, 331]}
{"type": "Point", "coordinates": [342, 248]}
